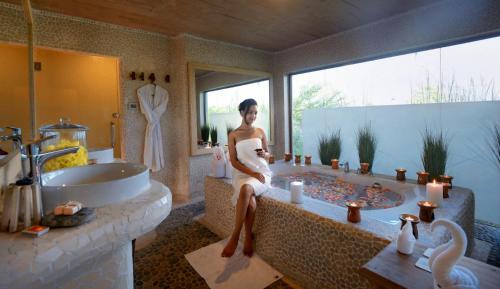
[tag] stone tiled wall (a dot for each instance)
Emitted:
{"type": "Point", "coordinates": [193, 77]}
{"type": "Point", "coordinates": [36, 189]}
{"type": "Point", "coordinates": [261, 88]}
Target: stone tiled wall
{"type": "Point", "coordinates": [316, 252]}
{"type": "Point", "coordinates": [139, 50]}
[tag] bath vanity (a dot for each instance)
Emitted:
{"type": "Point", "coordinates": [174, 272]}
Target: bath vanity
{"type": "Point", "coordinates": [313, 243]}
{"type": "Point", "coordinates": [93, 255]}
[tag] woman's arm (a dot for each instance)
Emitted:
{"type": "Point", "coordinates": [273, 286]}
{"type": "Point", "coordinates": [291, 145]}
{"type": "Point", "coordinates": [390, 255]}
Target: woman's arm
{"type": "Point", "coordinates": [265, 154]}
{"type": "Point", "coordinates": [234, 160]}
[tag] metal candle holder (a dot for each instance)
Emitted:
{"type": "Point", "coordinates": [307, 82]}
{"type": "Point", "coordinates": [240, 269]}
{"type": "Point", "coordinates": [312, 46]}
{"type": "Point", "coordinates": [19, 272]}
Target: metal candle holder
{"type": "Point", "coordinates": [298, 159]}
{"type": "Point", "coordinates": [271, 159]}
{"type": "Point", "coordinates": [400, 174]}
{"type": "Point", "coordinates": [446, 179]}
{"type": "Point", "coordinates": [426, 213]}
{"type": "Point", "coordinates": [365, 168]}
{"type": "Point", "coordinates": [414, 221]}
{"type": "Point", "coordinates": [446, 188]}
{"type": "Point", "coordinates": [335, 164]}
{"type": "Point", "coordinates": [353, 211]}
{"type": "Point", "coordinates": [423, 177]}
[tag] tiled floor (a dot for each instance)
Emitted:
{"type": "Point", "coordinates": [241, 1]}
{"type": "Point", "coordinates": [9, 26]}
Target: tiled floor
{"type": "Point", "coordinates": [159, 262]}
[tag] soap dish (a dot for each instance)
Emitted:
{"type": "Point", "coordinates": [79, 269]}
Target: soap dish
{"type": "Point", "coordinates": [83, 216]}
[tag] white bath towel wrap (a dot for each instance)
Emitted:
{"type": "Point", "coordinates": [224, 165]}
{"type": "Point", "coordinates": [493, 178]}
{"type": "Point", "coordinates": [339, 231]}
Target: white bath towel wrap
{"type": "Point", "coordinates": [246, 154]}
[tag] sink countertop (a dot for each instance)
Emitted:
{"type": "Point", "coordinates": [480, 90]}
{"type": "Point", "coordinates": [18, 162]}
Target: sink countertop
{"type": "Point", "coordinates": [26, 259]}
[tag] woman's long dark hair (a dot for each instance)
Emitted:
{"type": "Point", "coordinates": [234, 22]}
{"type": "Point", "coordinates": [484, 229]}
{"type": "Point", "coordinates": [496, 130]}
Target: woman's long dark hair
{"type": "Point", "coordinates": [245, 107]}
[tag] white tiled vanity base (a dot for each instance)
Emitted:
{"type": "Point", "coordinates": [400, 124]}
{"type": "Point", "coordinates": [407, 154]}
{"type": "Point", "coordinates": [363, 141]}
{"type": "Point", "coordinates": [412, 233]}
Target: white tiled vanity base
{"type": "Point", "coordinates": [111, 270]}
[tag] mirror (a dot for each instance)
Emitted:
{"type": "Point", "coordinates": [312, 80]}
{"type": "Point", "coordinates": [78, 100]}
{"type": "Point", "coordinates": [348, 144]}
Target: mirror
{"type": "Point", "coordinates": [83, 88]}
{"type": "Point", "coordinates": [215, 93]}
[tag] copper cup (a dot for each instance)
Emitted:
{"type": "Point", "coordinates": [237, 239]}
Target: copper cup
{"type": "Point", "coordinates": [354, 211]}
{"type": "Point", "coordinates": [423, 177]}
{"type": "Point", "coordinates": [298, 159]}
{"type": "Point", "coordinates": [288, 157]}
{"type": "Point", "coordinates": [400, 174]}
{"type": "Point", "coordinates": [365, 168]}
{"type": "Point", "coordinates": [446, 179]}
{"type": "Point", "coordinates": [307, 160]}
{"type": "Point", "coordinates": [335, 164]}
{"type": "Point", "coordinates": [414, 221]}
{"type": "Point", "coordinates": [271, 159]}
{"type": "Point", "coordinates": [426, 212]}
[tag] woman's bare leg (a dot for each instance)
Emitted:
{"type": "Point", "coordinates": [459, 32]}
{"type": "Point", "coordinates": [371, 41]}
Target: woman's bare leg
{"type": "Point", "coordinates": [250, 217]}
{"type": "Point", "coordinates": [241, 211]}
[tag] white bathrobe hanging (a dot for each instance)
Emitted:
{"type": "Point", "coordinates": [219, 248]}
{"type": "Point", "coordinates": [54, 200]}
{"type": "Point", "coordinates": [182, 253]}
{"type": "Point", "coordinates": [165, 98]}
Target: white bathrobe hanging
{"type": "Point", "coordinates": [153, 100]}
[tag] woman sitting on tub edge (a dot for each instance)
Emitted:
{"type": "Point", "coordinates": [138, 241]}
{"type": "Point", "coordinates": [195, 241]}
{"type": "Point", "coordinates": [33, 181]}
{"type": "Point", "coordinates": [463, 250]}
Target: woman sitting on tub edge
{"type": "Point", "coordinates": [248, 152]}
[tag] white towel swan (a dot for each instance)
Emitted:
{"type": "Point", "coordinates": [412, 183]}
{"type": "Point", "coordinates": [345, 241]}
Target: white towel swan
{"type": "Point", "coordinates": [448, 275]}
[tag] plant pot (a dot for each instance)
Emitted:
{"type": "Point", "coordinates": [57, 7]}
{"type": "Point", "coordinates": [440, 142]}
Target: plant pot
{"type": "Point", "coordinates": [307, 160]}
{"type": "Point", "coordinates": [288, 157]}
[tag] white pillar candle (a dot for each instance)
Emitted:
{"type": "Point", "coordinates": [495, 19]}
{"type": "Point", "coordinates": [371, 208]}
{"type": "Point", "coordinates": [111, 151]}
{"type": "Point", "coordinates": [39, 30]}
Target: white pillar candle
{"type": "Point", "coordinates": [296, 189]}
{"type": "Point", "coordinates": [435, 192]}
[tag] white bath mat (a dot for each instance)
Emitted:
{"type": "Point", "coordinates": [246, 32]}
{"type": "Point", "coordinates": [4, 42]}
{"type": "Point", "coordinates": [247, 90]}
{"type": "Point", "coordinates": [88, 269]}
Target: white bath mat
{"type": "Point", "coordinates": [236, 272]}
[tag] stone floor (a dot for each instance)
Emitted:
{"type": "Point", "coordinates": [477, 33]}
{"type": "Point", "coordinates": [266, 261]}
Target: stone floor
{"type": "Point", "coordinates": [160, 263]}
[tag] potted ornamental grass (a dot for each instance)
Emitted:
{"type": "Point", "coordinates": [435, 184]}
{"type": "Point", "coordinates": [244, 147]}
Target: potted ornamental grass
{"type": "Point", "coordinates": [330, 148]}
{"type": "Point", "coordinates": [366, 143]}
{"type": "Point", "coordinates": [434, 153]}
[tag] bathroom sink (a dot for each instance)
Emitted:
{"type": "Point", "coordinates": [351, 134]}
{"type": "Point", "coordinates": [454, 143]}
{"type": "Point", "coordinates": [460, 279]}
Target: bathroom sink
{"type": "Point", "coordinates": [94, 185]}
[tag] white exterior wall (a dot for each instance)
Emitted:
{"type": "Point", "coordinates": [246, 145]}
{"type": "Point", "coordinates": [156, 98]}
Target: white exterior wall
{"type": "Point", "coordinates": [399, 133]}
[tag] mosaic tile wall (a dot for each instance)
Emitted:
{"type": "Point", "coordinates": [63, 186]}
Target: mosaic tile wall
{"type": "Point", "coordinates": [291, 239]}
{"type": "Point", "coordinates": [139, 50]}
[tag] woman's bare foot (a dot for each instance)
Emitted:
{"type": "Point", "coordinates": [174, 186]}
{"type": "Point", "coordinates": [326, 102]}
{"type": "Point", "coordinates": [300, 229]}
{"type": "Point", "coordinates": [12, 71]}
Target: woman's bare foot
{"type": "Point", "coordinates": [229, 249]}
{"type": "Point", "coordinates": [248, 247]}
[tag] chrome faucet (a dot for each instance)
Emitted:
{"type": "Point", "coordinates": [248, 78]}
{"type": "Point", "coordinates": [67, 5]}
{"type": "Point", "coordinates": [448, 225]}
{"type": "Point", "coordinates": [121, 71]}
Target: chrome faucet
{"type": "Point", "coordinates": [16, 137]}
{"type": "Point", "coordinates": [38, 159]}
{"type": "Point", "coordinates": [346, 167]}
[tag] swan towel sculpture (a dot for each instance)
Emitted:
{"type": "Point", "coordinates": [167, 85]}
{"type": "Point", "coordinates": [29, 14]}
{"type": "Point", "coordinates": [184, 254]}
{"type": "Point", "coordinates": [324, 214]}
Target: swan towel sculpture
{"type": "Point", "coordinates": [442, 261]}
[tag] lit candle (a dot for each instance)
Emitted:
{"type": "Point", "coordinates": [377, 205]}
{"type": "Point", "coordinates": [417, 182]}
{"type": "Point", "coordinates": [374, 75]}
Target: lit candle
{"type": "Point", "coordinates": [435, 192]}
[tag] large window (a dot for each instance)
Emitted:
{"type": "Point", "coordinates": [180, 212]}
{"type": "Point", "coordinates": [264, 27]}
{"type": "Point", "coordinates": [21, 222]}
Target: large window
{"type": "Point", "coordinates": [461, 73]}
{"type": "Point", "coordinates": [221, 106]}
{"type": "Point", "coordinates": [453, 91]}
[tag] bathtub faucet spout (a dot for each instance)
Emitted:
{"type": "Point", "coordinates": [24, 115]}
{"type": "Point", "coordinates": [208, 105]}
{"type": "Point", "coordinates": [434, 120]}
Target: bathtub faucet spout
{"type": "Point", "coordinates": [346, 166]}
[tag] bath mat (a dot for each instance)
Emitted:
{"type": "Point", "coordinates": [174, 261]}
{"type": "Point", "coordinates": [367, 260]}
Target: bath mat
{"type": "Point", "coordinates": [236, 272]}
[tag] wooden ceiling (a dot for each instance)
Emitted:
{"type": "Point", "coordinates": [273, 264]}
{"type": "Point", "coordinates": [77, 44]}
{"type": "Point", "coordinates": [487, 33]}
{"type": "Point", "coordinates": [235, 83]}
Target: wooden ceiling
{"type": "Point", "coordinates": [271, 25]}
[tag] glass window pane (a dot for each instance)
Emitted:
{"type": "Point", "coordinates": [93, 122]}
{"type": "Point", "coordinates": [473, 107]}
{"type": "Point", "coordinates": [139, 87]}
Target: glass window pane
{"type": "Point", "coordinates": [222, 107]}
